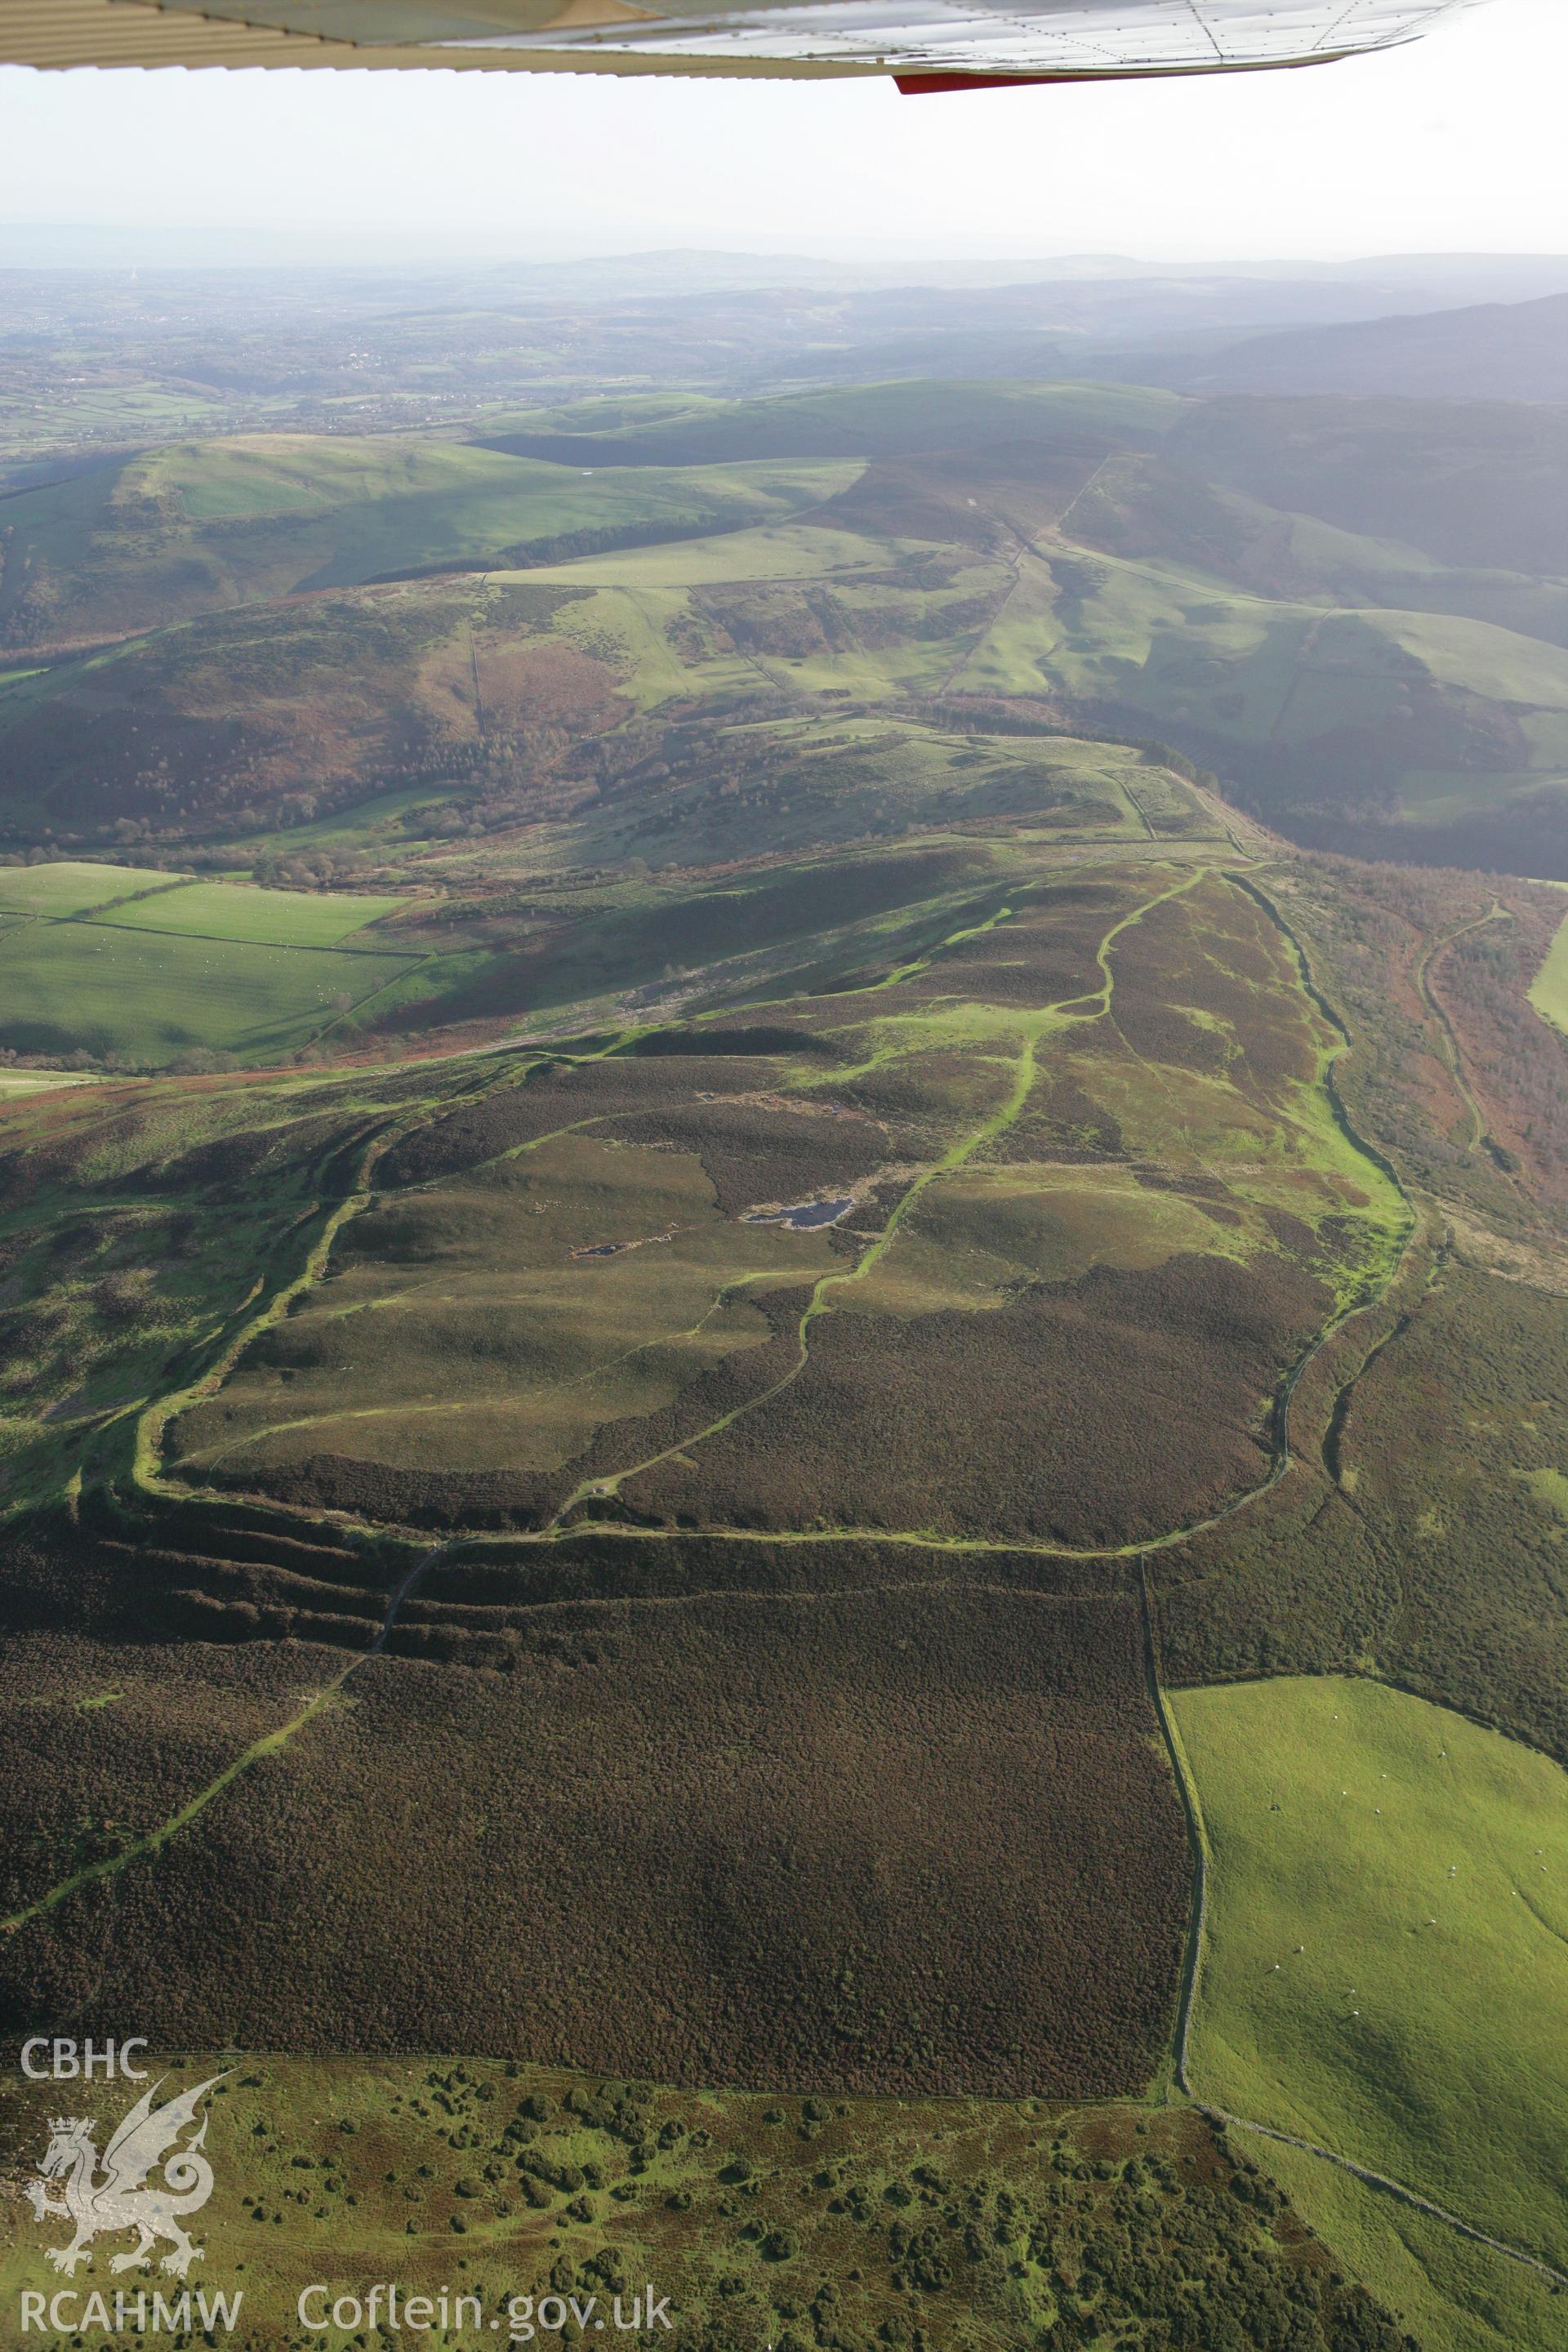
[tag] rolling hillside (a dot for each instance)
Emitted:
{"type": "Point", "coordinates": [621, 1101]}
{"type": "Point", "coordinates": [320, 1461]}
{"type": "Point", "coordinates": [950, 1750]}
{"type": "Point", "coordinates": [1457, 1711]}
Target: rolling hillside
{"type": "Point", "coordinates": [1367, 649]}
{"type": "Point", "coordinates": [755, 1351]}
{"type": "Point", "coordinates": [198, 526]}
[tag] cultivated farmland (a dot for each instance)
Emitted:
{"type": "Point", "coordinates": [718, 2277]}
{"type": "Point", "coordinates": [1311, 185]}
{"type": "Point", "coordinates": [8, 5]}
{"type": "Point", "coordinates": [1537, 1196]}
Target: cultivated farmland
{"type": "Point", "coordinates": [284, 918]}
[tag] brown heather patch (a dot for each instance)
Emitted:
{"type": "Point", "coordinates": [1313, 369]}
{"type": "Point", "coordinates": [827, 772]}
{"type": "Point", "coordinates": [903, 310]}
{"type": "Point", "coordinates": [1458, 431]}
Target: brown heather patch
{"type": "Point", "coordinates": [1099, 1412]}
{"type": "Point", "coordinates": [388, 1494]}
{"type": "Point", "coordinates": [560, 1096]}
{"type": "Point", "coordinates": [957, 1802]}
{"type": "Point", "coordinates": [523, 681]}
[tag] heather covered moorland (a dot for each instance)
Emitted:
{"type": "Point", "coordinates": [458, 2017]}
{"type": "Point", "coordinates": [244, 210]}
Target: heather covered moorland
{"type": "Point", "coordinates": [771, 1169]}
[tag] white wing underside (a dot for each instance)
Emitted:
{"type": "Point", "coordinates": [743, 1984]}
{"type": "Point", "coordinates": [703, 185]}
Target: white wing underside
{"type": "Point", "coordinates": [1031, 38]}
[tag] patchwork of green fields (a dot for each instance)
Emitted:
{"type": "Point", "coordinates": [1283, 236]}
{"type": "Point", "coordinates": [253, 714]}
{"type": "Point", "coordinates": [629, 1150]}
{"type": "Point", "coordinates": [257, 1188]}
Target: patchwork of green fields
{"type": "Point", "coordinates": [1386, 1961]}
{"type": "Point", "coordinates": [146, 965]}
{"type": "Point", "coordinates": [202, 524]}
{"type": "Point", "coordinates": [1073, 546]}
{"type": "Point", "coordinates": [782, 551]}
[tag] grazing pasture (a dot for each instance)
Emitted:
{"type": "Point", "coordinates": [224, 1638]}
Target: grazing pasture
{"type": "Point", "coordinates": [152, 998]}
{"type": "Point", "coordinates": [284, 918]}
{"type": "Point", "coordinates": [1386, 1969]}
{"type": "Point", "coordinates": [1449, 2293]}
{"type": "Point", "coordinates": [70, 887]}
{"type": "Point", "coordinates": [1549, 992]}
{"type": "Point", "coordinates": [228, 521]}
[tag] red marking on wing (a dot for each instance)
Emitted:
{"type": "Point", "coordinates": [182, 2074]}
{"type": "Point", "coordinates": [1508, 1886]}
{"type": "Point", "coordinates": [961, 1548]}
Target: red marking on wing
{"type": "Point", "coordinates": [932, 85]}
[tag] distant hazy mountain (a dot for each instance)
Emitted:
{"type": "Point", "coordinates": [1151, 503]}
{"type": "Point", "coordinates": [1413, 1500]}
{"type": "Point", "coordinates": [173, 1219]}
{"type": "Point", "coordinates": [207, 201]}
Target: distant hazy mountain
{"type": "Point", "coordinates": [1499, 351]}
{"type": "Point", "coordinates": [1368, 286]}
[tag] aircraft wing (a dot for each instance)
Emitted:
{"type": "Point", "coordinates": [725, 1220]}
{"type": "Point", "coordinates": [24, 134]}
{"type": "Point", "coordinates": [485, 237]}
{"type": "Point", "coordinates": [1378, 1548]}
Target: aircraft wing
{"type": "Point", "coordinates": [925, 44]}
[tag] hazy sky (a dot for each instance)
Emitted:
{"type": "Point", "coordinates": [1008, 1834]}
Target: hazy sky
{"type": "Point", "coordinates": [1455, 144]}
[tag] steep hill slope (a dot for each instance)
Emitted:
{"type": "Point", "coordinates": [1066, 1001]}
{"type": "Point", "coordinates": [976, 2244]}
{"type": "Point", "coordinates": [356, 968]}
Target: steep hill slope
{"type": "Point", "coordinates": [1468, 482]}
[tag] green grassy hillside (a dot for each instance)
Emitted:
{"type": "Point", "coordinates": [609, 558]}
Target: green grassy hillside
{"type": "Point", "coordinates": [89, 987]}
{"type": "Point", "coordinates": [200, 525]}
{"type": "Point", "coordinates": [1387, 1967]}
{"type": "Point", "coordinates": [1469, 482]}
{"type": "Point", "coordinates": [875, 826]}
{"type": "Point", "coordinates": [69, 886]}
{"type": "Point", "coordinates": [285, 918]}
{"type": "Point", "coordinates": [113, 961]}
{"type": "Point", "coordinates": [892, 549]}
{"type": "Point", "coordinates": [1450, 2293]}
{"type": "Point", "coordinates": [678, 1210]}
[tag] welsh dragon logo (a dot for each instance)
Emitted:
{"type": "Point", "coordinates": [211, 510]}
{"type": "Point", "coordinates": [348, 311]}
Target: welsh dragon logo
{"type": "Point", "coordinates": [101, 2202]}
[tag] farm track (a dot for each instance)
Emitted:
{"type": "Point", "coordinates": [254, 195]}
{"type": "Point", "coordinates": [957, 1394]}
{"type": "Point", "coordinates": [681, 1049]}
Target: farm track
{"type": "Point", "coordinates": [970, 646]}
{"type": "Point", "coordinates": [1281, 1456]}
{"type": "Point", "coordinates": [1388, 2188]}
{"type": "Point", "coordinates": [272, 1742]}
{"type": "Point", "coordinates": [96, 922]}
{"type": "Point", "coordinates": [1448, 1040]}
{"type": "Point", "coordinates": [1044, 1019]}
{"type": "Point", "coordinates": [153, 1418]}
{"type": "Point", "coordinates": [1197, 1839]}
{"type": "Point", "coordinates": [1439, 1252]}
{"type": "Point", "coordinates": [1192, 1970]}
